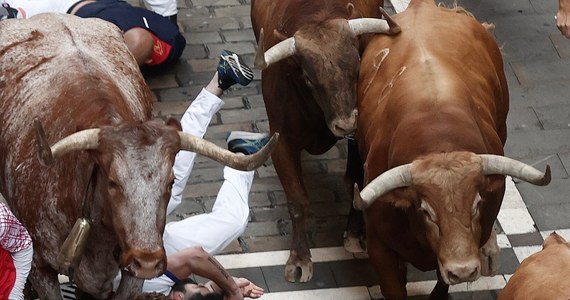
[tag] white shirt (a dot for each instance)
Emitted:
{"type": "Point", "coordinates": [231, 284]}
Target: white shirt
{"type": "Point", "coordinates": [29, 8]}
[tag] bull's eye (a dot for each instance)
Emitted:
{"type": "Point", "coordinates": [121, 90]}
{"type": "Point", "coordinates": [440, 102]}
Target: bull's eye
{"type": "Point", "coordinates": [169, 187]}
{"type": "Point", "coordinates": [113, 187]}
{"type": "Point", "coordinates": [476, 205]}
{"type": "Point", "coordinates": [428, 212]}
{"type": "Point", "coordinates": [308, 81]}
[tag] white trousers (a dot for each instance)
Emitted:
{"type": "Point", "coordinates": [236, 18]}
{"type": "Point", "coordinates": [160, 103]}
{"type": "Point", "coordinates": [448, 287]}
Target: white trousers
{"type": "Point", "coordinates": [228, 219]}
{"type": "Point", "coordinates": [165, 8]}
{"type": "Point", "coordinates": [23, 263]}
{"type": "Point", "coordinates": [194, 121]}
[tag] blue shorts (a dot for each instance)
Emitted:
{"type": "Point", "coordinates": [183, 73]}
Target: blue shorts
{"type": "Point", "coordinates": [126, 16]}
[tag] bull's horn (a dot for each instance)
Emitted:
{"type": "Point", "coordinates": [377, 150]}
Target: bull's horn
{"type": "Point", "coordinates": [282, 50]}
{"type": "Point", "coordinates": [237, 161]}
{"type": "Point", "coordinates": [394, 178]}
{"type": "Point", "coordinates": [81, 140]}
{"type": "Point", "coordinates": [371, 25]}
{"type": "Point", "coordinates": [497, 164]}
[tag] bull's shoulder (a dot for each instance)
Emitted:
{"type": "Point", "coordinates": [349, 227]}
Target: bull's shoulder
{"type": "Point", "coordinates": [62, 35]}
{"type": "Point", "coordinates": [42, 55]}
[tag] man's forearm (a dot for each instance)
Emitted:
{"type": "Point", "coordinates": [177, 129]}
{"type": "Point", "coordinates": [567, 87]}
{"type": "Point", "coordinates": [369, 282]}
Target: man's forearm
{"type": "Point", "coordinates": [197, 261]}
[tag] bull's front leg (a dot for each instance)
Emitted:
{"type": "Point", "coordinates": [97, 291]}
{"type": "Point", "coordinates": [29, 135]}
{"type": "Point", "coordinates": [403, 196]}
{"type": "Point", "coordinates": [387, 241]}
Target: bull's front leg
{"type": "Point", "coordinates": [390, 269]}
{"type": "Point", "coordinates": [441, 289]}
{"type": "Point", "coordinates": [129, 287]}
{"type": "Point", "coordinates": [354, 236]}
{"type": "Point", "coordinates": [489, 254]}
{"type": "Point", "coordinates": [44, 280]}
{"type": "Point", "coordinates": [287, 163]}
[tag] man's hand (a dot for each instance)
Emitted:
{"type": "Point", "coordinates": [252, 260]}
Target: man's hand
{"type": "Point", "coordinates": [563, 18]}
{"type": "Point", "coordinates": [248, 289]}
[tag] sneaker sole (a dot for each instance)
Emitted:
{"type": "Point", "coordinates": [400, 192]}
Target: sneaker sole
{"type": "Point", "coordinates": [245, 135]}
{"type": "Point", "coordinates": [244, 73]}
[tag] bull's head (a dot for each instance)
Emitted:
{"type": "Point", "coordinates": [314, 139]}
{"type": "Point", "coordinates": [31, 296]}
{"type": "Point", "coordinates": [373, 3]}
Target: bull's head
{"type": "Point", "coordinates": [446, 193]}
{"type": "Point", "coordinates": [329, 60]}
{"type": "Point", "coordinates": [135, 178]}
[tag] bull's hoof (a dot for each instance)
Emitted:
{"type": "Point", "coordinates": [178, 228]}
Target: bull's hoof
{"type": "Point", "coordinates": [354, 244]}
{"type": "Point", "coordinates": [297, 269]}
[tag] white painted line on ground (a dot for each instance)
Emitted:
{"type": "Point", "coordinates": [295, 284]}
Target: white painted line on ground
{"type": "Point", "coordinates": [516, 221]}
{"type": "Point", "coordinates": [512, 198]}
{"type": "Point", "coordinates": [524, 252]}
{"type": "Point", "coordinates": [352, 293]}
{"type": "Point", "coordinates": [276, 258]}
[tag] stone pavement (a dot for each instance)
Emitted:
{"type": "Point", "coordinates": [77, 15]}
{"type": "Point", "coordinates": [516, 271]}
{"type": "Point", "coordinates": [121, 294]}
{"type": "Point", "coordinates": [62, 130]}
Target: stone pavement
{"type": "Point", "coordinates": [537, 64]}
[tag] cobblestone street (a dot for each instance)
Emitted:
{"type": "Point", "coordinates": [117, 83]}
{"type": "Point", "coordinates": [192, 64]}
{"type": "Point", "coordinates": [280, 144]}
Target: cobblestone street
{"type": "Point", "coordinates": [536, 63]}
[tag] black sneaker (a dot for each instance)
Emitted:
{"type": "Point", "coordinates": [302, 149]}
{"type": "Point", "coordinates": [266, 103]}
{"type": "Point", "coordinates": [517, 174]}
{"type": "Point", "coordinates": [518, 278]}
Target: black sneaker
{"type": "Point", "coordinates": [6, 12]}
{"type": "Point", "coordinates": [246, 142]}
{"type": "Point", "coordinates": [232, 70]}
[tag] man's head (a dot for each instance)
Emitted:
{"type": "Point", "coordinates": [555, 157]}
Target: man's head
{"type": "Point", "coordinates": [188, 289]}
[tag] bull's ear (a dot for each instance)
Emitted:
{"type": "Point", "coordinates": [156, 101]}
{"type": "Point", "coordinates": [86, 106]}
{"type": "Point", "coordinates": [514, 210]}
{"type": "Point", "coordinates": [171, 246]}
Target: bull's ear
{"type": "Point", "coordinates": [174, 123]}
{"type": "Point", "coordinates": [402, 198]}
{"type": "Point", "coordinates": [351, 11]}
{"type": "Point", "coordinates": [553, 239]}
{"type": "Point", "coordinates": [488, 26]}
{"type": "Point", "coordinates": [280, 36]}
{"type": "Point", "coordinates": [493, 183]}
{"type": "Point", "coordinates": [44, 149]}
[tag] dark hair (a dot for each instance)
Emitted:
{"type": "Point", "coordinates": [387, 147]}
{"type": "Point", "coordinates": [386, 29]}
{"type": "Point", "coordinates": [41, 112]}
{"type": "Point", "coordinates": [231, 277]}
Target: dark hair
{"type": "Point", "coordinates": [211, 296]}
{"type": "Point", "coordinates": [151, 296]}
{"type": "Point", "coordinates": [180, 286]}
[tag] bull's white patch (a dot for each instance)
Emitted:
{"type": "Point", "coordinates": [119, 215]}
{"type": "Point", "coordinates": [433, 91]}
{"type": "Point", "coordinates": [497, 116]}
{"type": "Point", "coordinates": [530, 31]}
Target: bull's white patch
{"type": "Point", "coordinates": [389, 86]}
{"type": "Point", "coordinates": [378, 59]}
{"type": "Point", "coordinates": [144, 170]}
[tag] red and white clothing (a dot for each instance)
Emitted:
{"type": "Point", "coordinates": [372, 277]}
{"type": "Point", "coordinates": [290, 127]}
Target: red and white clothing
{"type": "Point", "coordinates": [16, 253]}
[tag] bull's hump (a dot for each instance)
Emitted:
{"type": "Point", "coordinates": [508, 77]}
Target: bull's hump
{"type": "Point", "coordinates": [47, 46]}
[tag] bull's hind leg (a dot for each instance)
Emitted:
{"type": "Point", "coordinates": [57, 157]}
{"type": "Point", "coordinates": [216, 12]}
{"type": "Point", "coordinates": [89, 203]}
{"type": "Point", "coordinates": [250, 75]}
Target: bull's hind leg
{"type": "Point", "coordinates": [287, 163]}
{"type": "Point", "coordinates": [44, 281]}
{"type": "Point", "coordinates": [354, 236]}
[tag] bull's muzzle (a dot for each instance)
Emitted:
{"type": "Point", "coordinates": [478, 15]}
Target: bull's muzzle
{"type": "Point", "coordinates": [342, 127]}
{"type": "Point", "coordinates": [144, 265]}
{"type": "Point", "coordinates": [458, 272]}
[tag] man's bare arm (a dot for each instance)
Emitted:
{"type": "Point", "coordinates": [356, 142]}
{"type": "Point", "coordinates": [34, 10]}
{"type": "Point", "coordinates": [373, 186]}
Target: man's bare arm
{"type": "Point", "coordinates": [195, 260]}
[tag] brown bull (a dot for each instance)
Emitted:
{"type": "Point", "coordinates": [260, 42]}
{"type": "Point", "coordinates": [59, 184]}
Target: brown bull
{"type": "Point", "coordinates": [110, 164]}
{"type": "Point", "coordinates": [543, 275]}
{"type": "Point", "coordinates": [432, 105]}
{"type": "Point", "coordinates": [309, 88]}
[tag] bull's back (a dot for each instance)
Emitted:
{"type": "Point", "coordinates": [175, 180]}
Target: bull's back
{"type": "Point", "coordinates": [288, 16]}
{"type": "Point", "coordinates": [70, 73]}
{"type": "Point", "coordinates": [427, 73]}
